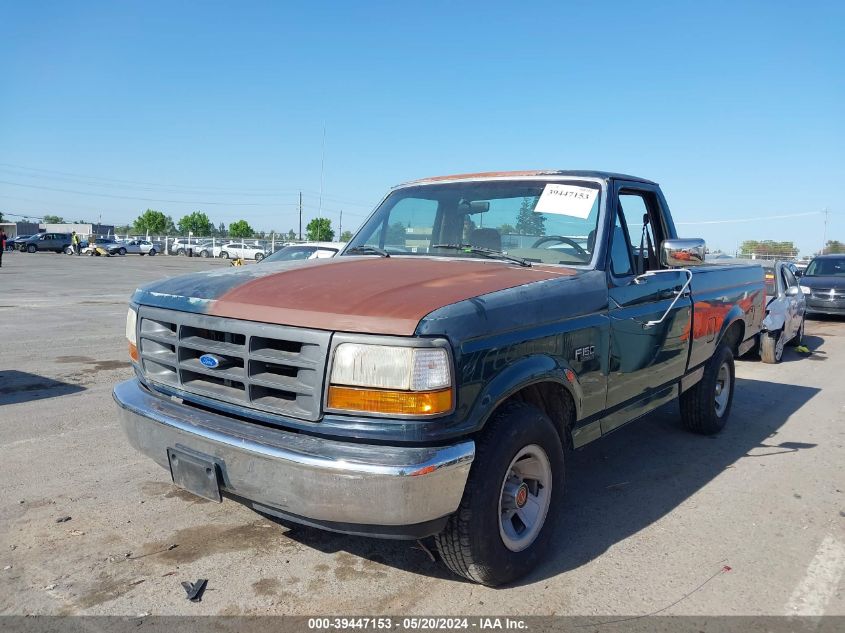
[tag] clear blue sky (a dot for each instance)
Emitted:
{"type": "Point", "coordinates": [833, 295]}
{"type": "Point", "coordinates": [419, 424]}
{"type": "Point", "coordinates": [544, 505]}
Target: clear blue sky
{"type": "Point", "coordinates": [737, 109]}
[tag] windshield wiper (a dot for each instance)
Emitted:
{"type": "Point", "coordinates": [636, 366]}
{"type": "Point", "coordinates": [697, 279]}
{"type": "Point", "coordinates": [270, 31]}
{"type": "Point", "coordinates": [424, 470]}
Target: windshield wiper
{"type": "Point", "coordinates": [366, 249]}
{"type": "Point", "coordinates": [486, 252]}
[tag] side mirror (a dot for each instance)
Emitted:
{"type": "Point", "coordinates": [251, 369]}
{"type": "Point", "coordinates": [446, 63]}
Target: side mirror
{"type": "Point", "coordinates": [681, 253]}
{"type": "Point", "coordinates": [793, 291]}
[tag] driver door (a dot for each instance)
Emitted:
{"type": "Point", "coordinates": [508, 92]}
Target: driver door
{"type": "Point", "coordinates": [649, 339]}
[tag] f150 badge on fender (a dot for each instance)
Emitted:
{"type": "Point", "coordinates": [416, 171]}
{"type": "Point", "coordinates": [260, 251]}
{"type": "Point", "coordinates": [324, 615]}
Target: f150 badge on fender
{"type": "Point", "coordinates": [583, 354]}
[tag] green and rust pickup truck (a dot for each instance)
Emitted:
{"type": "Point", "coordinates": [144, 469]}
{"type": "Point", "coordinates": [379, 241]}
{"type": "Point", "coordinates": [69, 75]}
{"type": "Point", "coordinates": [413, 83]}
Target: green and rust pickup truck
{"type": "Point", "coordinates": [429, 380]}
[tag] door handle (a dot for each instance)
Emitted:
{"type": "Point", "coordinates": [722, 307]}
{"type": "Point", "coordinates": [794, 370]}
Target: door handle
{"type": "Point", "coordinates": [670, 293]}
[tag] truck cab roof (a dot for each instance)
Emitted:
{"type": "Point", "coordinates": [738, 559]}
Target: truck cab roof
{"type": "Point", "coordinates": [491, 175]}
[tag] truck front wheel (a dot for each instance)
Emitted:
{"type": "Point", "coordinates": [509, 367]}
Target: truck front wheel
{"type": "Point", "coordinates": [706, 406]}
{"type": "Point", "coordinates": [503, 526]}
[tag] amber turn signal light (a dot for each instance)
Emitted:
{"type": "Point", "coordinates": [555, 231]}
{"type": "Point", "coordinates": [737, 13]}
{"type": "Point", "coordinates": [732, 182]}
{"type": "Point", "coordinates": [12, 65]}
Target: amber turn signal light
{"type": "Point", "coordinates": [133, 352]}
{"type": "Point", "coordinates": [389, 401]}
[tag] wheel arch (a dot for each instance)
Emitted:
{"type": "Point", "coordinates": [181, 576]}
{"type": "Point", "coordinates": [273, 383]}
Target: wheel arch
{"type": "Point", "coordinates": [538, 380]}
{"type": "Point", "coordinates": [733, 330]}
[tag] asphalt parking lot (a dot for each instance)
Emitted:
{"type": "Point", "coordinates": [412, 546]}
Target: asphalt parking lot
{"type": "Point", "coordinates": [751, 522]}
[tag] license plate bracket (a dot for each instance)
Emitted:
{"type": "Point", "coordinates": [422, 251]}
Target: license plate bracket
{"type": "Point", "coordinates": [195, 474]}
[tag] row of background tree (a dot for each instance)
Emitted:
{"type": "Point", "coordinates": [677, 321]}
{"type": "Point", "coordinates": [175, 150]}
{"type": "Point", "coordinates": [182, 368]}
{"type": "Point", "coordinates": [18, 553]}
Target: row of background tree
{"type": "Point", "coordinates": [152, 222]}
{"type": "Point", "coordinates": [783, 250]}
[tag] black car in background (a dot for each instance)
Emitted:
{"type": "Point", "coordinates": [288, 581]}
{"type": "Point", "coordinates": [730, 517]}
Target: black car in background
{"type": "Point", "coordinates": [14, 243]}
{"type": "Point", "coordinates": [824, 285]}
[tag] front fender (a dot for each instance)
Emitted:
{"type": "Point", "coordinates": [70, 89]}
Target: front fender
{"type": "Point", "coordinates": [523, 373]}
{"type": "Point", "coordinates": [774, 321]}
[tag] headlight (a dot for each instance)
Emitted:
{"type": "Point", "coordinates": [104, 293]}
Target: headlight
{"type": "Point", "coordinates": [806, 289]}
{"type": "Point", "coordinates": [390, 379]}
{"type": "Point", "coordinates": [131, 336]}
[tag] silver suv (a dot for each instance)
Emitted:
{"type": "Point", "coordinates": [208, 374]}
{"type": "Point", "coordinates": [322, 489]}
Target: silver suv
{"type": "Point", "coordinates": [56, 242]}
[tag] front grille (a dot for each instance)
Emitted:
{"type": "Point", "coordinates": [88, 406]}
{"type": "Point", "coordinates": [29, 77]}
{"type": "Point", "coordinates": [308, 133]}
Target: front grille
{"type": "Point", "coordinates": [272, 368]}
{"type": "Point", "coordinates": [827, 294]}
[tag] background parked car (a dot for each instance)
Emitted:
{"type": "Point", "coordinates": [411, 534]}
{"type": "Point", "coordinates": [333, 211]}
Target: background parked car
{"type": "Point", "coordinates": [180, 246]}
{"type": "Point", "coordinates": [824, 284]}
{"type": "Point", "coordinates": [310, 250]}
{"type": "Point", "coordinates": [54, 242]}
{"type": "Point", "coordinates": [785, 311]}
{"type": "Point", "coordinates": [137, 247]}
{"type": "Point", "coordinates": [14, 244]}
{"type": "Point", "coordinates": [240, 250]}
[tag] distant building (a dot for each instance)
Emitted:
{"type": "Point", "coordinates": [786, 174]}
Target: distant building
{"type": "Point", "coordinates": [82, 229]}
{"type": "Point", "coordinates": [13, 229]}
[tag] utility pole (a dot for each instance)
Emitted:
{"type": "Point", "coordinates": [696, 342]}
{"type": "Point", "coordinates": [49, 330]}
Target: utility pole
{"type": "Point", "coordinates": [300, 216]}
{"type": "Point", "coordinates": [322, 166]}
{"type": "Point", "coordinates": [340, 226]}
{"type": "Point", "coordinates": [824, 237]}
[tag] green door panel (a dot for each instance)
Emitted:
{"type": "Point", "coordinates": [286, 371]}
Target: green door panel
{"type": "Point", "coordinates": [643, 357]}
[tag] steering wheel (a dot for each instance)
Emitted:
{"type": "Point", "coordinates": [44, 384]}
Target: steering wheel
{"type": "Point", "coordinates": [560, 238]}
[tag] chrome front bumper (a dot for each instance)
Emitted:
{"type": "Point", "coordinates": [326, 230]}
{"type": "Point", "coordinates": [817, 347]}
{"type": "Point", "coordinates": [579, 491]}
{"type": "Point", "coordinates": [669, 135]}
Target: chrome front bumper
{"type": "Point", "coordinates": [391, 491]}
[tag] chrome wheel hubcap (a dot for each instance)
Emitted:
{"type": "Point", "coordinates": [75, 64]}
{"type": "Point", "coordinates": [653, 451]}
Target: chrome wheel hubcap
{"type": "Point", "coordinates": [525, 497]}
{"type": "Point", "coordinates": [723, 389]}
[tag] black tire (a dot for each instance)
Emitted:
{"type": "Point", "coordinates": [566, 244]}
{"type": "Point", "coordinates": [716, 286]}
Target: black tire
{"type": "Point", "coordinates": [152, 252]}
{"type": "Point", "coordinates": [121, 251]}
{"type": "Point", "coordinates": [771, 346]}
{"type": "Point", "coordinates": [798, 339]}
{"type": "Point", "coordinates": [31, 248]}
{"type": "Point", "coordinates": [224, 255]}
{"type": "Point", "coordinates": [471, 544]}
{"type": "Point", "coordinates": [259, 257]}
{"type": "Point", "coordinates": [205, 253]}
{"type": "Point", "coordinates": [181, 251]}
{"type": "Point", "coordinates": [699, 409]}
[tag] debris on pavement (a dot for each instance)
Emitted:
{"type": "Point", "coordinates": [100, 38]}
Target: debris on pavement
{"type": "Point", "coordinates": [803, 349]}
{"type": "Point", "coordinates": [195, 590]}
{"type": "Point", "coordinates": [62, 519]}
{"type": "Point", "coordinates": [423, 547]}
{"type": "Point", "coordinates": [50, 587]}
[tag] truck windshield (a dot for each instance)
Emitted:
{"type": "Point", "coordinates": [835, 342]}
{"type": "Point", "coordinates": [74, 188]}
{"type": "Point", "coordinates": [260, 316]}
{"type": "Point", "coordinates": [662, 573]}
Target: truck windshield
{"type": "Point", "coordinates": [550, 222]}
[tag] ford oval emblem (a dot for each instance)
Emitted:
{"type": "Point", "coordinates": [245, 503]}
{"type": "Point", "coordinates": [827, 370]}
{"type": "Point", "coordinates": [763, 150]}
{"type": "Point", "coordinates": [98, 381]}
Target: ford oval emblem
{"type": "Point", "coordinates": [210, 361]}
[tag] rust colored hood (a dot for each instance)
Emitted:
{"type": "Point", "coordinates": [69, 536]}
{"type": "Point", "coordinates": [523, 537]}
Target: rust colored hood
{"type": "Point", "coordinates": [350, 294]}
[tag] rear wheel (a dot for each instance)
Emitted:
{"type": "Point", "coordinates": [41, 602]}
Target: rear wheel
{"type": "Point", "coordinates": [504, 525]}
{"type": "Point", "coordinates": [31, 248]}
{"type": "Point", "coordinates": [180, 251]}
{"type": "Point", "coordinates": [204, 253]}
{"type": "Point", "coordinates": [152, 252]}
{"type": "Point", "coordinates": [705, 407]}
{"type": "Point", "coordinates": [259, 257]}
{"type": "Point", "coordinates": [121, 251]}
{"type": "Point", "coordinates": [771, 346]}
{"type": "Point", "coordinates": [224, 255]}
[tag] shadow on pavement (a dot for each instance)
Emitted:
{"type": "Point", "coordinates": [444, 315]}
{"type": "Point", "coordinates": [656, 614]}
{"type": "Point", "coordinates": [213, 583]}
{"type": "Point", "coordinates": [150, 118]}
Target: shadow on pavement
{"type": "Point", "coordinates": [20, 386]}
{"type": "Point", "coordinates": [623, 483]}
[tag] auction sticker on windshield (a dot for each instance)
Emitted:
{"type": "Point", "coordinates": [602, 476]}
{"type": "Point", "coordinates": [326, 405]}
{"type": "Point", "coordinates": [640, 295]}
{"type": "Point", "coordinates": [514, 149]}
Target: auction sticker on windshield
{"type": "Point", "coordinates": [566, 200]}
